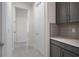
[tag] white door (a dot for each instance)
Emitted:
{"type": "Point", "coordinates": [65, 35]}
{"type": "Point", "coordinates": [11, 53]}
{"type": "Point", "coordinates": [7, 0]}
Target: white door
{"type": "Point", "coordinates": [39, 27]}
{"type": "Point", "coordinates": [21, 25]}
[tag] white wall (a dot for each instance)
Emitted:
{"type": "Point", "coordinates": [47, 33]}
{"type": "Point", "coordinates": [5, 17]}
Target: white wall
{"type": "Point", "coordinates": [0, 22]}
{"type": "Point", "coordinates": [31, 27]}
{"type": "Point", "coordinates": [0, 28]}
{"type": "Point", "coordinates": [44, 15]}
{"type": "Point", "coordinates": [21, 25]}
{"type": "Point", "coordinates": [41, 29]}
{"type": "Point", "coordinates": [7, 28]}
{"type": "Point", "coordinates": [51, 12]}
{"type": "Point", "coordinates": [8, 18]}
{"type": "Point", "coordinates": [4, 52]}
{"type": "Point", "coordinates": [50, 17]}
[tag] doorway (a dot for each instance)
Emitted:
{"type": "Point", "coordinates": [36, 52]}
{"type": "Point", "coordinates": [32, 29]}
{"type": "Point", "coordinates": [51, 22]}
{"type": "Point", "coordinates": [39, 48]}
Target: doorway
{"type": "Point", "coordinates": [21, 27]}
{"type": "Point", "coordinates": [21, 35]}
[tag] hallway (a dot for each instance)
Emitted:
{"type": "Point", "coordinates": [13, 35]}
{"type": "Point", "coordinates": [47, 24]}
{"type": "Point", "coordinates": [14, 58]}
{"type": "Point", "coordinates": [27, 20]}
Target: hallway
{"type": "Point", "coordinates": [24, 29]}
{"type": "Point", "coordinates": [22, 51]}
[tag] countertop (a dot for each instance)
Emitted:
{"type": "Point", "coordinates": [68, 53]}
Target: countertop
{"type": "Point", "coordinates": [73, 42]}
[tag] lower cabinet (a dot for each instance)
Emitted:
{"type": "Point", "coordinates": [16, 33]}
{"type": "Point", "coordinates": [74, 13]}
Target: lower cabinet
{"type": "Point", "coordinates": [55, 51]}
{"type": "Point", "coordinates": [59, 50]}
{"type": "Point", "coordinates": [66, 53]}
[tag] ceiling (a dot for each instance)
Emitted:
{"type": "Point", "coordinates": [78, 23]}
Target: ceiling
{"type": "Point", "coordinates": [29, 3]}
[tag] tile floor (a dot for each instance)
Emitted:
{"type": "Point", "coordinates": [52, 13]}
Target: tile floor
{"type": "Point", "coordinates": [23, 51]}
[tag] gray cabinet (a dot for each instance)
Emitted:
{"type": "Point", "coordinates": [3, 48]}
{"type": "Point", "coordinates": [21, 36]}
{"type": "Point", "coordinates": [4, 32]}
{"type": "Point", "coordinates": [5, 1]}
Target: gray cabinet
{"type": "Point", "coordinates": [67, 12]}
{"type": "Point", "coordinates": [59, 49]}
{"type": "Point", "coordinates": [55, 51]}
{"type": "Point", "coordinates": [66, 53]}
{"type": "Point", "coordinates": [61, 12]}
{"type": "Point", "coordinates": [74, 12]}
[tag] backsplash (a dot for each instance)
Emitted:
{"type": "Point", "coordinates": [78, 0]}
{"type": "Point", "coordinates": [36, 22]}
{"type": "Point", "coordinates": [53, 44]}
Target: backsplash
{"type": "Point", "coordinates": [69, 30]}
{"type": "Point", "coordinates": [65, 30]}
{"type": "Point", "coordinates": [53, 30]}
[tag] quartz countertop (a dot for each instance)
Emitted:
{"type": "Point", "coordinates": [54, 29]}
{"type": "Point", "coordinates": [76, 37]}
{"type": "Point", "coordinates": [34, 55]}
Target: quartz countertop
{"type": "Point", "coordinates": [73, 42]}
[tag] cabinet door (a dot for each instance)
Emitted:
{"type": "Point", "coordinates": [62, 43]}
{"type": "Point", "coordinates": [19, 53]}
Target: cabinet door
{"type": "Point", "coordinates": [55, 51]}
{"type": "Point", "coordinates": [74, 11]}
{"type": "Point", "coordinates": [61, 12]}
{"type": "Point", "coordinates": [66, 53]}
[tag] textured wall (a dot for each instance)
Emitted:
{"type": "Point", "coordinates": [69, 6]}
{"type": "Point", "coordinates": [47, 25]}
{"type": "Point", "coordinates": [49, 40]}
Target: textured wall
{"type": "Point", "coordinates": [54, 29]}
{"type": "Point", "coordinates": [65, 30]}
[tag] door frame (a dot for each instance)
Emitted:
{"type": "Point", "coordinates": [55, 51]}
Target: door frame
{"type": "Point", "coordinates": [14, 20]}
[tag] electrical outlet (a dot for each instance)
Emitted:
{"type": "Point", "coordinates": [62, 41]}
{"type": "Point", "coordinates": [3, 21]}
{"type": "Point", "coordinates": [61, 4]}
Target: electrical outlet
{"type": "Point", "coordinates": [73, 30]}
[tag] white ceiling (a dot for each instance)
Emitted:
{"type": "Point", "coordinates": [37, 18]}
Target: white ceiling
{"type": "Point", "coordinates": [29, 3]}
